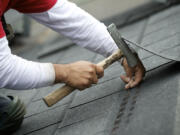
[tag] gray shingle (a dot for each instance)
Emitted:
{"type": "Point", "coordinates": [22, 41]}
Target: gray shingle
{"type": "Point", "coordinates": [67, 55]}
{"type": "Point", "coordinates": [160, 46]}
{"type": "Point", "coordinates": [29, 52]}
{"type": "Point", "coordinates": [171, 20]}
{"type": "Point", "coordinates": [102, 112]}
{"type": "Point", "coordinates": [89, 110]}
{"type": "Point", "coordinates": [41, 120]}
{"type": "Point", "coordinates": [177, 113]}
{"type": "Point", "coordinates": [153, 62]}
{"type": "Point", "coordinates": [53, 58]}
{"type": "Point", "coordinates": [98, 91]}
{"type": "Point", "coordinates": [102, 133]}
{"type": "Point", "coordinates": [77, 53]}
{"type": "Point", "coordinates": [161, 35]}
{"type": "Point", "coordinates": [155, 105]}
{"type": "Point", "coordinates": [144, 54]}
{"type": "Point", "coordinates": [132, 30]}
{"type": "Point", "coordinates": [45, 131]}
{"type": "Point", "coordinates": [86, 127]}
{"type": "Point", "coordinates": [54, 48]}
{"type": "Point", "coordinates": [39, 106]}
{"type": "Point", "coordinates": [41, 92]}
{"type": "Point", "coordinates": [173, 52]}
{"type": "Point", "coordinates": [161, 16]}
{"type": "Point", "coordinates": [25, 95]}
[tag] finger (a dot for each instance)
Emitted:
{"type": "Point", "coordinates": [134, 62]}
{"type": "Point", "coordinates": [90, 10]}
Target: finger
{"type": "Point", "coordinates": [125, 78]}
{"type": "Point", "coordinates": [128, 86]}
{"type": "Point", "coordinates": [135, 83]}
{"type": "Point", "coordinates": [95, 78]}
{"type": "Point", "coordinates": [87, 85]}
{"type": "Point", "coordinates": [84, 87]}
{"type": "Point", "coordinates": [143, 70]}
{"type": "Point", "coordinates": [129, 71]}
{"type": "Point", "coordinates": [99, 71]}
{"type": "Point", "coordinates": [137, 79]}
{"type": "Point", "coordinates": [81, 88]}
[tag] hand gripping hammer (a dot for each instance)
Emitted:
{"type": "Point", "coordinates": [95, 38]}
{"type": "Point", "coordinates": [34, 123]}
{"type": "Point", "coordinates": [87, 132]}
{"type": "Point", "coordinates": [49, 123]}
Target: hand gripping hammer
{"type": "Point", "coordinates": [124, 50]}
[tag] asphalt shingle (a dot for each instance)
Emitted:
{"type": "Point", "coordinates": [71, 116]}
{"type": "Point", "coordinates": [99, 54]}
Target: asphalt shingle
{"type": "Point", "coordinates": [85, 116]}
{"type": "Point", "coordinates": [172, 20]}
{"type": "Point", "coordinates": [42, 120]}
{"type": "Point", "coordinates": [39, 107]}
{"type": "Point", "coordinates": [45, 131]}
{"type": "Point", "coordinates": [88, 110]}
{"type": "Point", "coordinates": [155, 104]}
{"type": "Point", "coordinates": [161, 46]}
{"type": "Point", "coordinates": [161, 16]}
{"type": "Point", "coordinates": [97, 92]}
{"type": "Point", "coordinates": [89, 126]}
{"type": "Point", "coordinates": [55, 47]}
{"type": "Point", "coordinates": [76, 53]}
{"type": "Point", "coordinates": [133, 30]}
{"type": "Point", "coordinates": [41, 92]}
{"type": "Point", "coordinates": [160, 35]}
{"type": "Point", "coordinates": [25, 95]}
{"type": "Point", "coordinates": [54, 58]}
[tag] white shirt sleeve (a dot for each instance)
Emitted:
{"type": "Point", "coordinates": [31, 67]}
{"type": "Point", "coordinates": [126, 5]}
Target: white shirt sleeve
{"type": "Point", "coordinates": [18, 73]}
{"type": "Point", "coordinates": [83, 29]}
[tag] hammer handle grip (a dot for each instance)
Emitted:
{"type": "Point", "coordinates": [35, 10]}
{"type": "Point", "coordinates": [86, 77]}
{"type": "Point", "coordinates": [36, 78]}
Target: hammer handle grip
{"type": "Point", "coordinates": [62, 92]}
{"type": "Point", "coordinates": [57, 95]}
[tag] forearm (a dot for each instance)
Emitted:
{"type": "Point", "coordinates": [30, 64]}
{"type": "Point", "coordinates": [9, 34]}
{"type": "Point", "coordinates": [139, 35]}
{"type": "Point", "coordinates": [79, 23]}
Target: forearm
{"type": "Point", "coordinates": [18, 73]}
{"type": "Point", "coordinates": [76, 24]}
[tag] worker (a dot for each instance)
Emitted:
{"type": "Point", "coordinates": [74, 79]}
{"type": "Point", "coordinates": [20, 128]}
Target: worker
{"type": "Point", "coordinates": [69, 20]}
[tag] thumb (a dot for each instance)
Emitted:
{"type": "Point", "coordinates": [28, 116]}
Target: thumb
{"type": "Point", "coordinates": [125, 78]}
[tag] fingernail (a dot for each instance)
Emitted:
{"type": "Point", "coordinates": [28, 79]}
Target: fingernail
{"type": "Point", "coordinates": [126, 87]}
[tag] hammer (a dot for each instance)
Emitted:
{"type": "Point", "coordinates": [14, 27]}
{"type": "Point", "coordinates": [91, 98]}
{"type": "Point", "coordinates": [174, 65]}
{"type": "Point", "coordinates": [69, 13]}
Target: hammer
{"type": "Point", "coordinates": [124, 50]}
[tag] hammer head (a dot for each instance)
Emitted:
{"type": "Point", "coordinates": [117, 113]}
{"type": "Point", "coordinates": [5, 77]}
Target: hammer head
{"type": "Point", "coordinates": [122, 45]}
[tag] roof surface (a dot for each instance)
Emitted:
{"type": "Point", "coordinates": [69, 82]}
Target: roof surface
{"type": "Point", "coordinates": [151, 108]}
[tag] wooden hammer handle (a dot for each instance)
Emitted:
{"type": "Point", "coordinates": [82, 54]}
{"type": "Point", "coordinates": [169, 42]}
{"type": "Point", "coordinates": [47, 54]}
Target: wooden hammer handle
{"type": "Point", "coordinates": [60, 93]}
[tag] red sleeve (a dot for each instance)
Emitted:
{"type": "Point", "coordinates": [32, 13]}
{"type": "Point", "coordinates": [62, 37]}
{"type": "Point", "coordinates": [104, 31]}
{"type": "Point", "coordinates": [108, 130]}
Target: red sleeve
{"type": "Point", "coordinates": [2, 33]}
{"type": "Point", "coordinates": [33, 6]}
